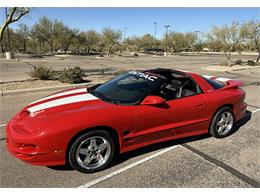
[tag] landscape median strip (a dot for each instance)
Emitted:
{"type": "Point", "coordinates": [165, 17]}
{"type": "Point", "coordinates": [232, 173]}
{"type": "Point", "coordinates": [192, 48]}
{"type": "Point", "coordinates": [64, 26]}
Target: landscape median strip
{"type": "Point", "coordinates": [13, 92]}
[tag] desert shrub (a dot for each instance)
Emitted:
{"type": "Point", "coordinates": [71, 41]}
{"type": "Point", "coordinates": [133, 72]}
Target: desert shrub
{"type": "Point", "coordinates": [42, 72]}
{"type": "Point", "coordinates": [135, 54]}
{"type": "Point", "coordinates": [72, 75]}
{"type": "Point", "coordinates": [251, 63]}
{"type": "Point", "coordinates": [223, 64]}
{"type": "Point", "coordinates": [239, 62]}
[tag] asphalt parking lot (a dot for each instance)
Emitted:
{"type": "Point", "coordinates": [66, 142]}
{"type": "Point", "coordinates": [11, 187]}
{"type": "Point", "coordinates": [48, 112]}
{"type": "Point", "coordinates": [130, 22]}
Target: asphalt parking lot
{"type": "Point", "coordinates": [200, 161]}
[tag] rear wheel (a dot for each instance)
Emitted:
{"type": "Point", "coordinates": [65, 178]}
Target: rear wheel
{"type": "Point", "coordinates": [92, 151]}
{"type": "Point", "coordinates": [222, 123]}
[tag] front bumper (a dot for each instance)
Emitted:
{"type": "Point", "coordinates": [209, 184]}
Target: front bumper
{"type": "Point", "coordinates": [33, 148]}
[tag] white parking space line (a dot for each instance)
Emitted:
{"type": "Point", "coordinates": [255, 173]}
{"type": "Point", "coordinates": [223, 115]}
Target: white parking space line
{"type": "Point", "coordinates": [103, 178]}
{"type": "Point", "coordinates": [2, 125]}
{"type": "Point", "coordinates": [256, 110]}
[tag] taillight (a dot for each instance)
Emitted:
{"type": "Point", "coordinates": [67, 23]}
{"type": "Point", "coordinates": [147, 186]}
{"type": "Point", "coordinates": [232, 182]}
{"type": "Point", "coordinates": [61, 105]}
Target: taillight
{"type": "Point", "coordinates": [243, 95]}
{"type": "Point", "coordinates": [243, 98]}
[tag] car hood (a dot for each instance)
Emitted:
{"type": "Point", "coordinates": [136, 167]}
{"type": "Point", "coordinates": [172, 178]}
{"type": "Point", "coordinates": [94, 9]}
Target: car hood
{"type": "Point", "coordinates": [68, 100]}
{"type": "Point", "coordinates": [61, 107]}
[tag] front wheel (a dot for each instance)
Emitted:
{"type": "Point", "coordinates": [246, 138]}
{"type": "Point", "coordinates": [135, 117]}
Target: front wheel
{"type": "Point", "coordinates": [92, 151]}
{"type": "Point", "coordinates": [222, 123]}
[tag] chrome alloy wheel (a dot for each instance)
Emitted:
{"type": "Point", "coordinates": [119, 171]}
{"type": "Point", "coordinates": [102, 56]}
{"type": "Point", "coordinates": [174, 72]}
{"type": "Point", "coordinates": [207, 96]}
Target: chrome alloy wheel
{"type": "Point", "coordinates": [93, 152]}
{"type": "Point", "coordinates": [224, 123]}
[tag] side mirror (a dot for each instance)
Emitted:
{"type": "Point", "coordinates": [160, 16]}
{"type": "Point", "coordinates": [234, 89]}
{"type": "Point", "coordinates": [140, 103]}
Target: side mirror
{"type": "Point", "coordinates": [152, 100]}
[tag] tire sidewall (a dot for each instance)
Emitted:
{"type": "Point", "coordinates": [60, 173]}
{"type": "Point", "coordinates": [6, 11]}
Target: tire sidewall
{"type": "Point", "coordinates": [72, 151]}
{"type": "Point", "coordinates": [213, 130]}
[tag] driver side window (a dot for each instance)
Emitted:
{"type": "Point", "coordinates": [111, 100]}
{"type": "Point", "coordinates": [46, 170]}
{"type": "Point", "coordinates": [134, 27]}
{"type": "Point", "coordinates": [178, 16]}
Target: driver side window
{"type": "Point", "coordinates": [179, 88]}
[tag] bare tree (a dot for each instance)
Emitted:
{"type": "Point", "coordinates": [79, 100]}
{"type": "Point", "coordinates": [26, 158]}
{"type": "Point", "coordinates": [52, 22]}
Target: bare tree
{"type": "Point", "coordinates": [229, 37]}
{"type": "Point", "coordinates": [251, 33]}
{"type": "Point", "coordinates": [111, 38]}
{"type": "Point", "coordinates": [13, 15]}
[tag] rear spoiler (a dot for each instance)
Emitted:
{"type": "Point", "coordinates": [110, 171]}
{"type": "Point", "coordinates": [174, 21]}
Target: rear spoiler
{"type": "Point", "coordinates": [229, 83]}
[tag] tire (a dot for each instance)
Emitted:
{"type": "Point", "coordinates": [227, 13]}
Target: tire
{"type": "Point", "coordinates": [222, 123]}
{"type": "Point", "coordinates": [92, 151]}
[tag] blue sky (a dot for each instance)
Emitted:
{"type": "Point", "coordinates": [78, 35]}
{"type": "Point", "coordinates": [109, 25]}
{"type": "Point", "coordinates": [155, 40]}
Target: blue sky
{"type": "Point", "coordinates": [139, 21]}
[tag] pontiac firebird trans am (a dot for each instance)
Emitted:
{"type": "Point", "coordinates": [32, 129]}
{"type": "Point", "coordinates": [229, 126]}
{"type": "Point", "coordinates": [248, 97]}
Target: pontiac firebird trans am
{"type": "Point", "coordinates": [87, 127]}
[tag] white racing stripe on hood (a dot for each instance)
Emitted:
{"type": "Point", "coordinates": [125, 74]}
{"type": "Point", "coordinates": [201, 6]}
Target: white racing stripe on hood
{"type": "Point", "coordinates": [61, 94]}
{"type": "Point", "coordinates": [62, 101]}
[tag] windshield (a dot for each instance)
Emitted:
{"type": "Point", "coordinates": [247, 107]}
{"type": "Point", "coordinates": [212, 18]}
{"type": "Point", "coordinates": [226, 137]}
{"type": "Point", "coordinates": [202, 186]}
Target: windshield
{"type": "Point", "coordinates": [129, 88]}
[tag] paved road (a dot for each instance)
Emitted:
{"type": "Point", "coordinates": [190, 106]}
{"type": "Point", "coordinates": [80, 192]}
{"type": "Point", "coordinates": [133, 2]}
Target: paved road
{"type": "Point", "coordinates": [19, 70]}
{"type": "Point", "coordinates": [195, 162]}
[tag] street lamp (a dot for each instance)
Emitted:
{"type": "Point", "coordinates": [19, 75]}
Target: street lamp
{"type": "Point", "coordinates": [166, 36]}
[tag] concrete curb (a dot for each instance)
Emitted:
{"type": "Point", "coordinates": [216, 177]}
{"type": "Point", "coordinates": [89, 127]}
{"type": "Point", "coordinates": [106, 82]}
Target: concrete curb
{"type": "Point", "coordinates": [225, 68]}
{"type": "Point", "coordinates": [15, 92]}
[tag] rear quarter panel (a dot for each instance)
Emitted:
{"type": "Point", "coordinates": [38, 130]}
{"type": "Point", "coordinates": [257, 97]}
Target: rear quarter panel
{"type": "Point", "coordinates": [219, 98]}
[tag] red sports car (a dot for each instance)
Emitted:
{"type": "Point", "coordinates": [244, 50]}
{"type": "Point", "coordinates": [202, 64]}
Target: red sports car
{"type": "Point", "coordinates": [87, 127]}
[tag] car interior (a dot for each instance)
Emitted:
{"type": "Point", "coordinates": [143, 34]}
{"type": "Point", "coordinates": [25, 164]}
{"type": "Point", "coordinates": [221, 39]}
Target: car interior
{"type": "Point", "coordinates": [177, 85]}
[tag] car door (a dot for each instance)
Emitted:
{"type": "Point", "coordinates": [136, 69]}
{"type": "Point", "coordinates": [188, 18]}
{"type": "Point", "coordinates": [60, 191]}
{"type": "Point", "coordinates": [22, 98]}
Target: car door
{"type": "Point", "coordinates": [175, 118]}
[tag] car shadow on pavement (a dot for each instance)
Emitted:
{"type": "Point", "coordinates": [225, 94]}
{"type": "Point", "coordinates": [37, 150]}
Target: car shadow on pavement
{"type": "Point", "coordinates": [242, 121]}
{"type": "Point", "coordinates": [128, 155]}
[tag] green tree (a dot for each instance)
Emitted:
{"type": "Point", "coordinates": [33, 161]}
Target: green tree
{"type": "Point", "coordinates": [43, 31]}
{"type": "Point", "coordinates": [148, 42]}
{"type": "Point", "coordinates": [176, 41]}
{"type": "Point", "coordinates": [79, 40]}
{"type": "Point", "coordinates": [133, 43]}
{"type": "Point", "coordinates": [229, 37]}
{"type": "Point", "coordinates": [251, 34]}
{"type": "Point", "coordinates": [63, 36]}
{"type": "Point", "coordinates": [190, 40]}
{"type": "Point", "coordinates": [111, 37]}
{"type": "Point", "coordinates": [92, 38]}
{"type": "Point", "coordinates": [23, 36]}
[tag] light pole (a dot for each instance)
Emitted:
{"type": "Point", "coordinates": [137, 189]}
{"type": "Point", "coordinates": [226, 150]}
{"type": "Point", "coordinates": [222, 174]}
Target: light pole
{"type": "Point", "coordinates": [166, 37]}
{"type": "Point", "coordinates": [155, 26]}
